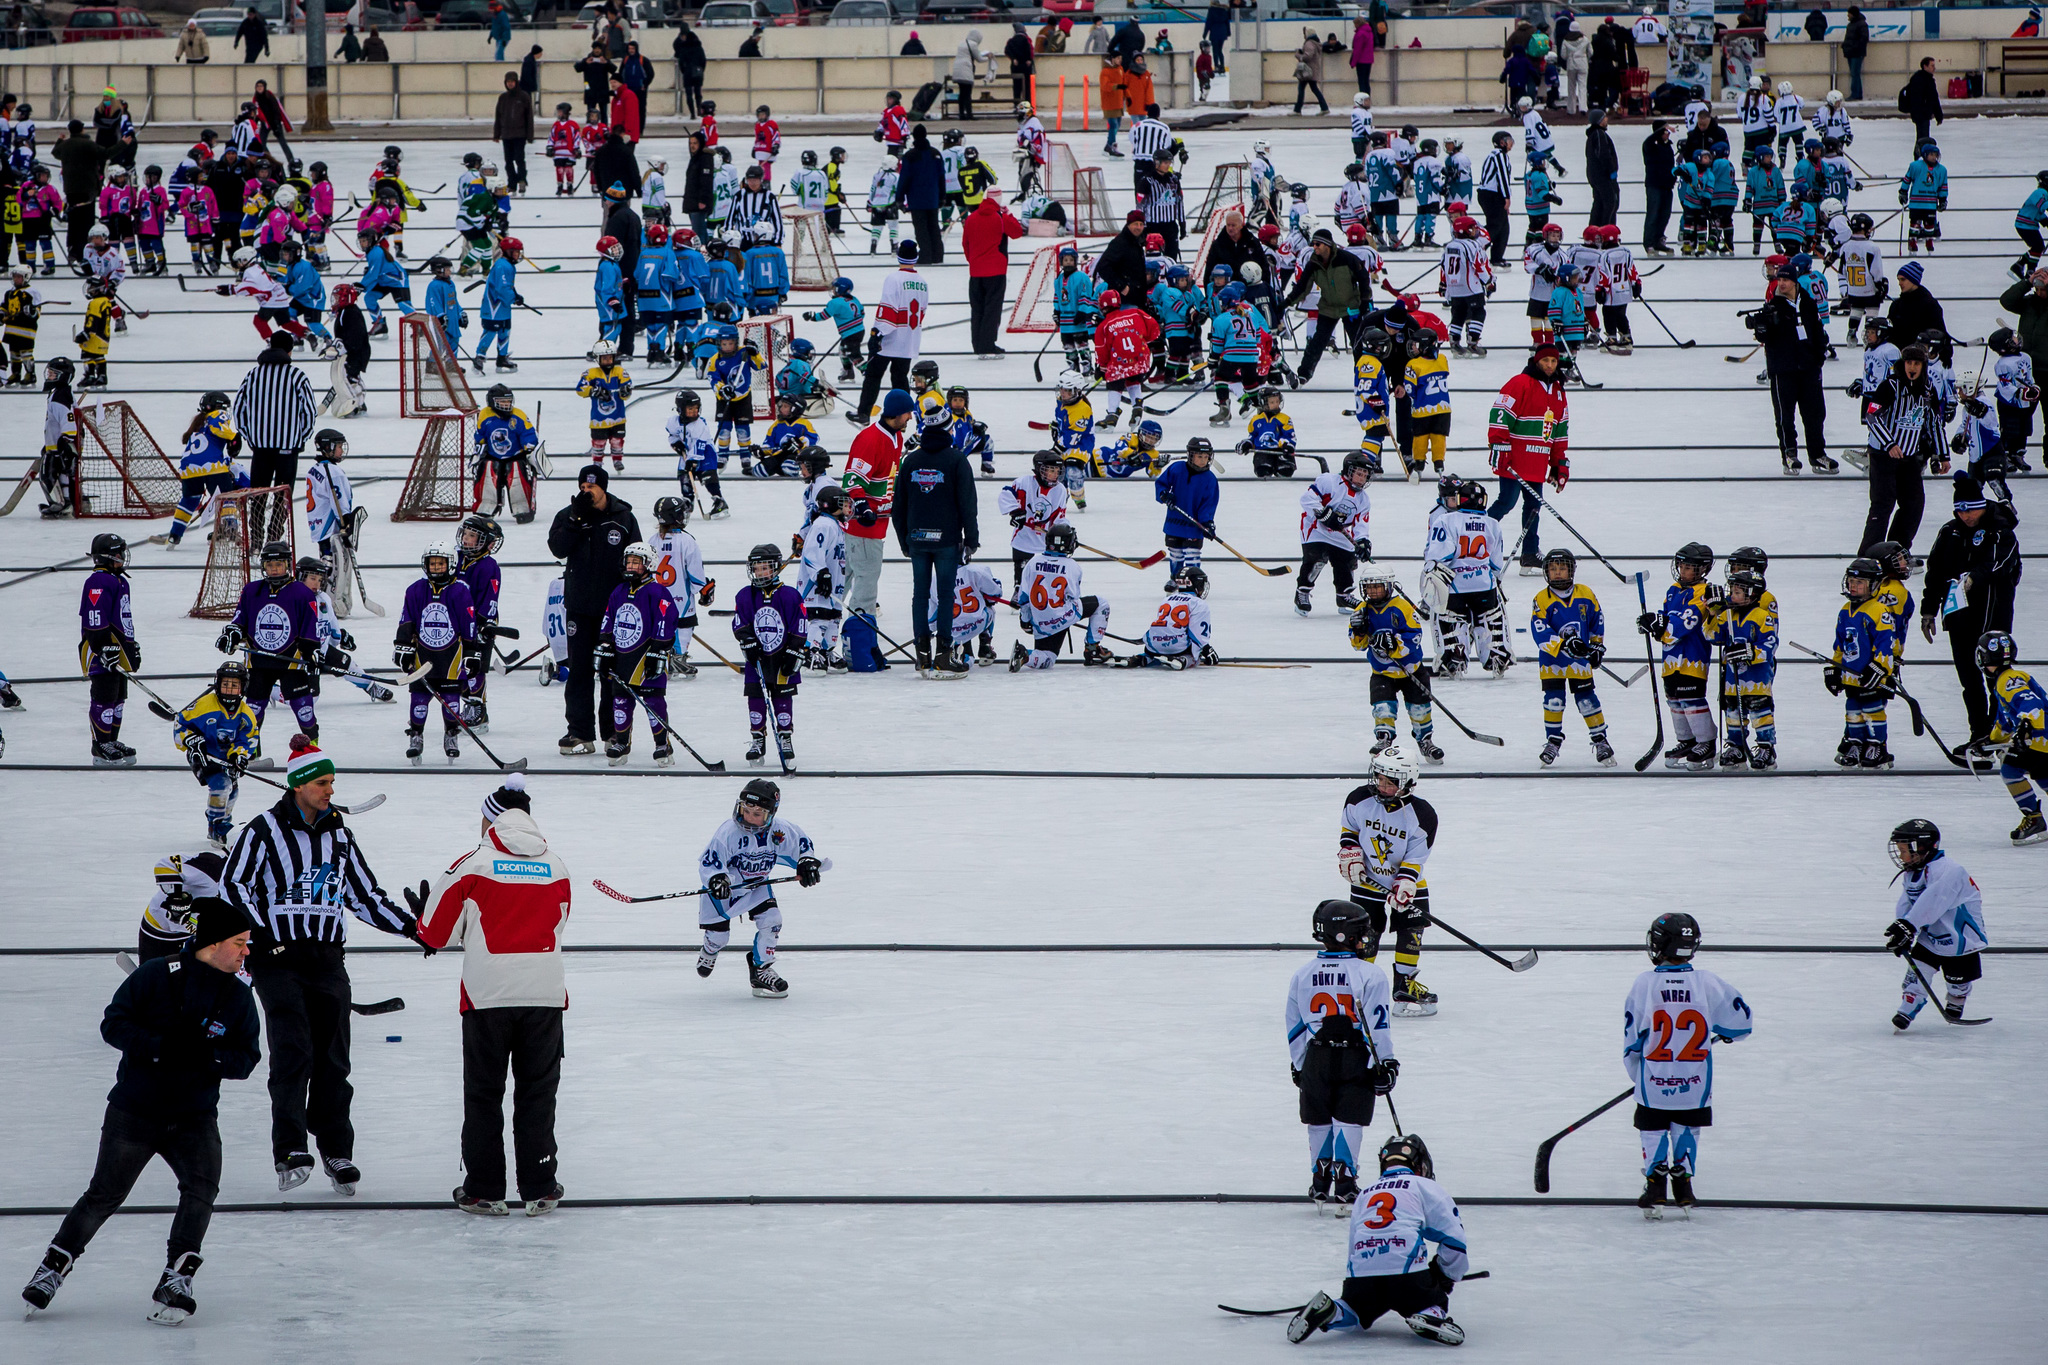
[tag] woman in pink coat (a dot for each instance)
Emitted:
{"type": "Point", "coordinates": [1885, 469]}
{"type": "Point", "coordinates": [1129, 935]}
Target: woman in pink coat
{"type": "Point", "coordinates": [1361, 52]}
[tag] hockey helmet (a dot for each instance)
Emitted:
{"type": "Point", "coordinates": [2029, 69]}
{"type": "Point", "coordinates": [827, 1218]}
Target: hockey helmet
{"type": "Point", "coordinates": [608, 247]}
{"type": "Point", "coordinates": [1672, 938]}
{"type": "Point", "coordinates": [1892, 556]}
{"type": "Point", "coordinates": [479, 535]}
{"type": "Point", "coordinates": [923, 375]}
{"type": "Point", "coordinates": [435, 550]}
{"type": "Point", "coordinates": [1695, 556]}
{"type": "Point", "coordinates": [802, 348]}
{"type": "Point", "coordinates": [657, 234]}
{"type": "Point", "coordinates": [1472, 495]}
{"type": "Point", "coordinates": [1193, 580]}
{"type": "Point", "coordinates": [1591, 233]}
{"type": "Point", "coordinates": [671, 511]}
{"type": "Point", "coordinates": [1448, 488]}
{"type": "Point", "coordinates": [1407, 1149]}
{"type": "Point", "coordinates": [1252, 272]}
{"type": "Point", "coordinates": [244, 257]}
{"type": "Point", "coordinates": [1070, 381]}
{"type": "Point", "coordinates": [1553, 228]}
{"type": "Point", "coordinates": [1150, 433]}
{"type": "Point", "coordinates": [1045, 467]}
{"type": "Point", "coordinates": [812, 461]}
{"type": "Point", "coordinates": [1200, 446]}
{"type": "Point", "coordinates": [1355, 234]}
{"type": "Point", "coordinates": [329, 444]}
{"type": "Point", "coordinates": [1341, 926]}
{"type": "Point", "coordinates": [1374, 577]}
{"type": "Point", "coordinates": [1996, 652]}
{"type": "Point", "coordinates": [1269, 233]}
{"type": "Point", "coordinates": [110, 552]}
{"type": "Point", "coordinates": [1395, 765]}
{"type": "Point", "coordinates": [831, 502]}
{"type": "Point", "coordinates": [1061, 539]}
{"type": "Point", "coordinates": [1108, 301]}
{"type": "Point", "coordinates": [1748, 557]}
{"type": "Point", "coordinates": [761, 794]}
{"type": "Point", "coordinates": [1830, 206]}
{"type": "Point", "coordinates": [605, 352]}
{"type": "Point", "coordinates": [1271, 398]}
{"type": "Point", "coordinates": [1914, 843]}
{"type": "Point", "coordinates": [1610, 234]}
{"type": "Point", "coordinates": [764, 566]}
{"type": "Point", "coordinates": [2003, 340]}
{"type": "Point", "coordinates": [231, 671]}
{"type": "Point", "coordinates": [1863, 570]}
{"type": "Point", "coordinates": [1230, 295]}
{"type": "Point", "coordinates": [643, 552]}
{"type": "Point", "coordinates": [1358, 462]}
{"type": "Point", "coordinates": [1745, 588]}
{"type": "Point", "coordinates": [1560, 558]}
{"type": "Point", "coordinates": [213, 400]}
{"type": "Point", "coordinates": [1464, 226]}
{"type": "Point", "coordinates": [842, 287]}
{"type": "Point", "coordinates": [685, 400]}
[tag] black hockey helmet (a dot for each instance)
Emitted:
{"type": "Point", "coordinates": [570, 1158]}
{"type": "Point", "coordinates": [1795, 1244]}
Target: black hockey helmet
{"type": "Point", "coordinates": [213, 400]}
{"type": "Point", "coordinates": [437, 264]}
{"type": "Point", "coordinates": [1862, 569]}
{"type": "Point", "coordinates": [276, 552]}
{"type": "Point", "coordinates": [2003, 340]}
{"type": "Point", "coordinates": [1933, 338]}
{"type": "Point", "coordinates": [1193, 579]}
{"type": "Point", "coordinates": [1358, 462]}
{"type": "Point", "coordinates": [1862, 222]}
{"type": "Point", "coordinates": [1341, 927]}
{"type": "Point", "coordinates": [1472, 495]}
{"type": "Point", "coordinates": [1566, 560]}
{"type": "Point", "coordinates": [687, 399]}
{"type": "Point", "coordinates": [1448, 488]}
{"type": "Point", "coordinates": [831, 501]}
{"type": "Point", "coordinates": [1046, 465]}
{"type": "Point", "coordinates": [1893, 557]}
{"type": "Point", "coordinates": [58, 369]}
{"type": "Point", "coordinates": [1061, 539]}
{"type": "Point", "coordinates": [671, 511]}
{"type": "Point", "coordinates": [1996, 652]}
{"type": "Point", "coordinates": [759, 792]}
{"type": "Point", "coordinates": [1503, 138]}
{"type": "Point", "coordinates": [721, 311]}
{"type": "Point", "coordinates": [1747, 557]}
{"type": "Point", "coordinates": [927, 370]}
{"type": "Point", "coordinates": [1672, 938]}
{"type": "Point", "coordinates": [329, 444]}
{"type": "Point", "coordinates": [796, 406]}
{"type": "Point", "coordinates": [392, 151]}
{"type": "Point", "coordinates": [315, 564]}
{"type": "Point", "coordinates": [238, 672]}
{"type": "Point", "coordinates": [472, 161]}
{"type": "Point", "coordinates": [1407, 1149]}
{"type": "Point", "coordinates": [952, 137]}
{"type": "Point", "coordinates": [813, 461]}
{"type": "Point", "coordinates": [1878, 325]}
{"type": "Point", "coordinates": [499, 398]}
{"type": "Point", "coordinates": [769, 560]}
{"type": "Point", "coordinates": [1200, 445]}
{"type": "Point", "coordinates": [1745, 587]}
{"type": "Point", "coordinates": [1297, 190]}
{"type": "Point", "coordinates": [489, 536]}
{"type": "Point", "coordinates": [1422, 342]}
{"type": "Point", "coordinates": [110, 552]}
{"type": "Point", "coordinates": [1698, 556]}
{"type": "Point", "coordinates": [1914, 843]}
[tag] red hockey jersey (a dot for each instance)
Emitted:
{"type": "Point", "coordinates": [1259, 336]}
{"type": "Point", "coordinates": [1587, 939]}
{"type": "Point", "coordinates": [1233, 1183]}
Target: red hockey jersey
{"type": "Point", "coordinates": [1123, 344]}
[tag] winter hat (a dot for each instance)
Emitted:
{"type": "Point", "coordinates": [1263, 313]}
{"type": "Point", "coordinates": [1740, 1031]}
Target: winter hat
{"type": "Point", "coordinates": [1547, 350]}
{"type": "Point", "coordinates": [1912, 270]}
{"type": "Point", "coordinates": [1969, 493]}
{"type": "Point", "coordinates": [306, 763]}
{"type": "Point", "coordinates": [906, 251]}
{"type": "Point", "coordinates": [593, 473]}
{"type": "Point", "coordinates": [214, 920]}
{"type": "Point", "coordinates": [898, 403]}
{"type": "Point", "coordinates": [511, 796]}
{"type": "Point", "coordinates": [937, 438]}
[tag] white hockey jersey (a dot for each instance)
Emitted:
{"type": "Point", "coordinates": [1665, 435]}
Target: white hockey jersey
{"type": "Point", "coordinates": [1395, 843]}
{"type": "Point", "coordinates": [1942, 901]}
{"type": "Point", "coordinates": [1395, 1219]}
{"type": "Point", "coordinates": [679, 567]}
{"type": "Point", "coordinates": [1181, 626]}
{"type": "Point", "coordinates": [1590, 261]}
{"type": "Point", "coordinates": [1465, 269]}
{"type": "Point", "coordinates": [882, 189]}
{"type": "Point", "coordinates": [2016, 380]}
{"type": "Point", "coordinates": [1862, 269]}
{"type": "Point", "coordinates": [975, 593]}
{"type": "Point", "coordinates": [807, 187]}
{"type": "Point", "coordinates": [695, 443]}
{"type": "Point", "coordinates": [1542, 262]}
{"type": "Point", "coordinates": [1618, 275]}
{"type": "Point", "coordinates": [1041, 508]}
{"type": "Point", "coordinates": [1051, 589]}
{"type": "Point", "coordinates": [1352, 206]}
{"type": "Point", "coordinates": [1758, 113]}
{"type": "Point", "coordinates": [1536, 133]}
{"type": "Point", "coordinates": [1343, 984]}
{"type": "Point", "coordinates": [750, 855]}
{"type": "Point", "coordinates": [811, 491]}
{"type": "Point", "coordinates": [1326, 492]}
{"type": "Point", "coordinates": [1361, 124]}
{"type": "Point", "coordinates": [824, 552]}
{"type": "Point", "coordinates": [1470, 545]}
{"type": "Point", "coordinates": [1832, 122]}
{"type": "Point", "coordinates": [1673, 1017]}
{"type": "Point", "coordinates": [1791, 111]}
{"type": "Point", "coordinates": [899, 317]}
{"type": "Point", "coordinates": [259, 284]}
{"type": "Point", "coordinates": [1031, 140]}
{"type": "Point", "coordinates": [330, 500]}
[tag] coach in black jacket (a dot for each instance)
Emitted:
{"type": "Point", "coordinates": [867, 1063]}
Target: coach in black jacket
{"type": "Point", "coordinates": [936, 526]}
{"type": "Point", "coordinates": [590, 536]}
{"type": "Point", "coordinates": [1795, 343]}
{"type": "Point", "coordinates": [1977, 546]}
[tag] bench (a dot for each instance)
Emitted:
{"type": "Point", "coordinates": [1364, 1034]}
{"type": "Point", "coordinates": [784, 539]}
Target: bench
{"type": "Point", "coordinates": [2021, 60]}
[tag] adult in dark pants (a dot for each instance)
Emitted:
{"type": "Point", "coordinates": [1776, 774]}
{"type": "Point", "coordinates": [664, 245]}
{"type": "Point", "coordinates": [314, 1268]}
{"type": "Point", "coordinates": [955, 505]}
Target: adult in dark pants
{"type": "Point", "coordinates": [590, 535]}
{"type": "Point", "coordinates": [1977, 548]}
{"type": "Point", "coordinates": [1915, 312]}
{"type": "Point", "coordinates": [1496, 183]}
{"type": "Point", "coordinates": [1122, 264]}
{"type": "Point", "coordinates": [984, 238]}
{"type": "Point", "coordinates": [84, 164]}
{"type": "Point", "coordinates": [936, 527]}
{"type": "Point", "coordinates": [1923, 102]}
{"type": "Point", "coordinates": [597, 72]}
{"type": "Point", "coordinates": [1346, 294]}
{"type": "Point", "coordinates": [274, 411]}
{"type": "Point", "coordinates": [512, 125]}
{"type": "Point", "coordinates": [1603, 170]}
{"type": "Point", "coordinates": [699, 176]}
{"type": "Point", "coordinates": [1795, 345]}
{"type": "Point", "coordinates": [691, 64]}
{"type": "Point", "coordinates": [183, 1024]}
{"type": "Point", "coordinates": [1855, 47]}
{"type": "Point", "coordinates": [923, 182]}
{"type": "Point", "coordinates": [506, 903]}
{"type": "Point", "coordinates": [1903, 418]}
{"type": "Point", "coordinates": [252, 35]}
{"type": "Point", "coordinates": [623, 222]}
{"type": "Point", "coordinates": [1660, 170]}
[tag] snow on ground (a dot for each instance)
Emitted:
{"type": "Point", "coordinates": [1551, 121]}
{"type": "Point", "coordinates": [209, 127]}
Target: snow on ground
{"type": "Point", "coordinates": [1076, 1073]}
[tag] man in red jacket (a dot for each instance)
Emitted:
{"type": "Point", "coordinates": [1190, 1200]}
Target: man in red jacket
{"type": "Point", "coordinates": [1528, 431]}
{"type": "Point", "coordinates": [870, 483]}
{"type": "Point", "coordinates": [983, 236]}
{"type": "Point", "coordinates": [506, 902]}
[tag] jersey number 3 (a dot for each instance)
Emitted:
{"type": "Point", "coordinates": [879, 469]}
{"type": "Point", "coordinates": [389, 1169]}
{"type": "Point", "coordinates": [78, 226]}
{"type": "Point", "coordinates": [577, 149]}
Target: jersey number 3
{"type": "Point", "coordinates": [1382, 1206]}
{"type": "Point", "coordinates": [1695, 1049]}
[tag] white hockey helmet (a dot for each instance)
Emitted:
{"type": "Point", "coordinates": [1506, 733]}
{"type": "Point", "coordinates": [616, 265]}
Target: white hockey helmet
{"type": "Point", "coordinates": [1360, 100]}
{"type": "Point", "coordinates": [1830, 206]}
{"type": "Point", "coordinates": [643, 552]}
{"type": "Point", "coordinates": [1071, 381]}
{"type": "Point", "coordinates": [1784, 87]}
{"type": "Point", "coordinates": [605, 352]}
{"type": "Point", "coordinates": [1397, 765]}
{"type": "Point", "coordinates": [1306, 224]}
{"type": "Point", "coordinates": [286, 196]}
{"type": "Point", "coordinates": [244, 257]}
{"type": "Point", "coordinates": [1251, 272]}
{"type": "Point", "coordinates": [1023, 108]}
{"type": "Point", "coordinates": [1261, 147]}
{"type": "Point", "coordinates": [97, 230]}
{"type": "Point", "coordinates": [1650, 11]}
{"type": "Point", "coordinates": [1756, 82]}
{"type": "Point", "coordinates": [1525, 104]}
{"type": "Point", "coordinates": [438, 549]}
{"type": "Point", "coordinates": [1834, 99]}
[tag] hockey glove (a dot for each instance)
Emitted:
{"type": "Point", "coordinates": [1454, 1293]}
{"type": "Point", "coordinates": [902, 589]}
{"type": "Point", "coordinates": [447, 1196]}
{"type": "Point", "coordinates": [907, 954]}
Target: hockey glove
{"type": "Point", "coordinates": [1652, 622]}
{"type": "Point", "coordinates": [1295, 1073]}
{"type": "Point", "coordinates": [1384, 1076]}
{"type": "Point", "coordinates": [1244, 447]}
{"type": "Point", "coordinates": [230, 638]}
{"type": "Point", "coordinates": [1362, 547]}
{"type": "Point", "coordinates": [705, 594]}
{"type": "Point", "coordinates": [417, 902]}
{"type": "Point", "coordinates": [1855, 389]}
{"type": "Point", "coordinates": [1572, 647]}
{"type": "Point", "coordinates": [1439, 1276]}
{"type": "Point", "coordinates": [1401, 894]}
{"type": "Point", "coordinates": [1207, 655]}
{"type": "Point", "coordinates": [1739, 653]}
{"type": "Point", "coordinates": [1596, 654]}
{"type": "Point", "coordinates": [1017, 520]}
{"type": "Point", "coordinates": [334, 659]}
{"type": "Point", "coordinates": [114, 656]}
{"type": "Point", "coordinates": [1351, 864]}
{"type": "Point", "coordinates": [346, 641]}
{"type": "Point", "coordinates": [743, 632]}
{"type": "Point", "coordinates": [601, 653]}
{"type": "Point", "coordinates": [823, 587]}
{"type": "Point", "coordinates": [808, 871]}
{"type": "Point", "coordinates": [1959, 442]}
{"type": "Point", "coordinates": [195, 753]}
{"type": "Point", "coordinates": [1831, 678]}
{"type": "Point", "coordinates": [1332, 518]}
{"type": "Point", "coordinates": [865, 514]}
{"type": "Point", "coordinates": [405, 658]}
{"type": "Point", "coordinates": [1898, 937]}
{"type": "Point", "coordinates": [719, 887]}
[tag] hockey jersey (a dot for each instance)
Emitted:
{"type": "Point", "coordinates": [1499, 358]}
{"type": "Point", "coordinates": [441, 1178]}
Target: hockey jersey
{"type": "Point", "coordinates": [1673, 1016]}
{"type": "Point", "coordinates": [1469, 545]}
{"type": "Point", "coordinates": [1050, 590]}
{"type": "Point", "coordinates": [1554, 620]}
{"type": "Point", "coordinates": [1041, 507]}
{"type": "Point", "coordinates": [1326, 494]}
{"type": "Point", "coordinates": [1396, 843]}
{"type": "Point", "coordinates": [746, 855]}
{"type": "Point", "coordinates": [1394, 1221]}
{"type": "Point", "coordinates": [1181, 626]}
{"type": "Point", "coordinates": [1338, 983]}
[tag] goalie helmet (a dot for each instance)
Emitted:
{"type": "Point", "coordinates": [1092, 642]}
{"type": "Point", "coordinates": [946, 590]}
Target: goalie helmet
{"type": "Point", "coordinates": [1023, 109]}
{"type": "Point", "coordinates": [499, 398]}
{"type": "Point", "coordinates": [1407, 1149]}
{"type": "Point", "coordinates": [1673, 938]}
{"type": "Point", "coordinates": [1342, 927]}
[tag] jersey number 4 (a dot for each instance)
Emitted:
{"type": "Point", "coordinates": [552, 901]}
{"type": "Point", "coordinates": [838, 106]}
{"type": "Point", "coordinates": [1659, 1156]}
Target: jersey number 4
{"type": "Point", "coordinates": [1691, 1021]}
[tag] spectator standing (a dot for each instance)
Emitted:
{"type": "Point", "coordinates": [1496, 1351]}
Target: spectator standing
{"type": "Point", "coordinates": [699, 179]}
{"type": "Point", "coordinates": [529, 81]}
{"type": "Point", "coordinates": [936, 527]}
{"type": "Point", "coordinates": [1023, 63]}
{"type": "Point", "coordinates": [252, 35]}
{"type": "Point", "coordinates": [984, 239]}
{"type": "Point", "coordinates": [351, 49]}
{"type": "Point", "coordinates": [870, 483]}
{"type": "Point", "coordinates": [1215, 28]}
{"type": "Point", "coordinates": [1916, 311]}
{"type": "Point", "coordinates": [638, 74]}
{"type": "Point", "coordinates": [1122, 264]}
{"type": "Point", "coordinates": [597, 72]}
{"type": "Point", "coordinates": [1817, 23]}
{"type": "Point", "coordinates": [1603, 170]}
{"type": "Point", "coordinates": [1234, 246]}
{"type": "Point", "coordinates": [690, 64]}
{"type": "Point", "coordinates": [590, 536]}
{"type": "Point", "coordinates": [1611, 54]}
{"type": "Point", "coordinates": [1575, 55]}
{"type": "Point", "coordinates": [183, 1024]}
{"type": "Point", "coordinates": [505, 904]}
{"type": "Point", "coordinates": [967, 60]}
{"type": "Point", "coordinates": [627, 119]}
{"type": "Point", "coordinates": [373, 47]}
{"type": "Point", "coordinates": [1855, 47]}
{"type": "Point", "coordinates": [1362, 52]}
{"type": "Point", "coordinates": [2028, 301]}
{"type": "Point", "coordinates": [1795, 345]}
{"type": "Point", "coordinates": [512, 125]}
{"type": "Point", "coordinates": [274, 412]}
{"type": "Point", "coordinates": [1921, 102]}
{"type": "Point", "coordinates": [193, 49]}
{"type": "Point", "coordinates": [751, 46]}
{"type": "Point", "coordinates": [913, 46]}
{"type": "Point", "coordinates": [500, 30]}
{"type": "Point", "coordinates": [922, 185]}
{"type": "Point", "coordinates": [1529, 432]}
{"type": "Point", "coordinates": [1308, 71]}
{"type": "Point", "coordinates": [1660, 169]}
{"type": "Point", "coordinates": [84, 164]}
{"type": "Point", "coordinates": [1976, 549]}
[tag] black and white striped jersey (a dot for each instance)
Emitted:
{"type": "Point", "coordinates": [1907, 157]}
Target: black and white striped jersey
{"type": "Point", "coordinates": [1497, 173]}
{"type": "Point", "coordinates": [756, 215]}
{"type": "Point", "coordinates": [296, 881]}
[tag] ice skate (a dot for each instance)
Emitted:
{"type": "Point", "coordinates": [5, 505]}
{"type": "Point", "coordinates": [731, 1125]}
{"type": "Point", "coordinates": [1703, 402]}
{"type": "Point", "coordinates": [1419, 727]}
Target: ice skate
{"type": "Point", "coordinates": [952, 664]}
{"type": "Point", "coordinates": [1791, 462]}
{"type": "Point", "coordinates": [294, 1171]}
{"type": "Point", "coordinates": [1382, 740]}
{"type": "Point", "coordinates": [450, 749]}
{"type": "Point", "coordinates": [1436, 1324]}
{"type": "Point", "coordinates": [706, 961]}
{"type": "Point", "coordinates": [719, 511]}
{"type": "Point", "coordinates": [2031, 829]}
{"type": "Point", "coordinates": [1343, 1188]}
{"type": "Point", "coordinates": [616, 750]}
{"type": "Point", "coordinates": [569, 745]}
{"type": "Point", "coordinates": [1876, 757]}
{"type": "Point", "coordinates": [1318, 1185]}
{"type": "Point", "coordinates": [984, 651]}
{"type": "Point", "coordinates": [785, 749]}
{"type": "Point", "coordinates": [341, 1173]}
{"type": "Point", "coordinates": [1303, 603]}
{"type": "Point", "coordinates": [758, 750]}
{"type": "Point", "coordinates": [1427, 747]}
{"type": "Point", "coordinates": [1763, 758]}
{"type": "Point", "coordinates": [1902, 1022]}
{"type": "Point", "coordinates": [1735, 753]}
{"type": "Point", "coordinates": [1094, 655]}
{"type": "Point", "coordinates": [1412, 999]}
{"type": "Point", "coordinates": [48, 1279]}
{"type": "Point", "coordinates": [1681, 1192]}
{"type": "Point", "coordinates": [1651, 1200]}
{"type": "Point", "coordinates": [504, 365]}
{"type": "Point", "coordinates": [1676, 756]}
{"type": "Point", "coordinates": [1603, 752]}
{"type": "Point", "coordinates": [1551, 748]}
{"type": "Point", "coordinates": [488, 1208]}
{"type": "Point", "coordinates": [1312, 1318]}
{"type": "Point", "coordinates": [1221, 417]}
{"type": "Point", "coordinates": [108, 754]}
{"type": "Point", "coordinates": [547, 1203]}
{"type": "Point", "coordinates": [767, 985]}
{"type": "Point", "coordinates": [1018, 654]}
{"type": "Point", "coordinates": [664, 752]}
{"type": "Point", "coordinates": [415, 745]}
{"type": "Point", "coordinates": [1824, 463]}
{"type": "Point", "coordinates": [174, 1290]}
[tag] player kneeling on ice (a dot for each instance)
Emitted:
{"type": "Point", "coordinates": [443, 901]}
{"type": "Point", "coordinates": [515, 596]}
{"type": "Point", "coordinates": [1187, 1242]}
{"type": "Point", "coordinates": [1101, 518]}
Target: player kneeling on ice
{"type": "Point", "coordinates": [1394, 1220]}
{"type": "Point", "coordinates": [1050, 603]}
{"type": "Point", "coordinates": [636, 641]}
{"type": "Point", "coordinates": [1179, 635]}
{"type": "Point", "coordinates": [1939, 921]}
{"type": "Point", "coordinates": [1386, 627]}
{"type": "Point", "coordinates": [768, 622]}
{"type": "Point", "coordinates": [1269, 436]}
{"type": "Point", "coordinates": [742, 854]}
{"type": "Point", "coordinates": [1337, 1067]}
{"type": "Point", "coordinates": [1674, 1014]}
{"type": "Point", "coordinates": [1382, 845]}
{"type": "Point", "coordinates": [1336, 524]}
{"type": "Point", "coordinates": [1571, 640]}
{"type": "Point", "coordinates": [218, 734]}
{"type": "Point", "coordinates": [821, 580]}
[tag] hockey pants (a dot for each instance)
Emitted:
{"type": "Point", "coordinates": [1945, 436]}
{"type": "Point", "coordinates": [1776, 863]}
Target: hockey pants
{"type": "Point", "coordinates": [713, 918]}
{"type": "Point", "coordinates": [1408, 925]}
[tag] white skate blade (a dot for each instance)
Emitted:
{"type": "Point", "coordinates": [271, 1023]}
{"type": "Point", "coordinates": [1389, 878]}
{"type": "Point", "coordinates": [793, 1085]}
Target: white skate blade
{"type": "Point", "coordinates": [1414, 1009]}
{"type": "Point", "coordinates": [1654, 1214]}
{"type": "Point", "coordinates": [167, 1316]}
{"type": "Point", "coordinates": [342, 1187]}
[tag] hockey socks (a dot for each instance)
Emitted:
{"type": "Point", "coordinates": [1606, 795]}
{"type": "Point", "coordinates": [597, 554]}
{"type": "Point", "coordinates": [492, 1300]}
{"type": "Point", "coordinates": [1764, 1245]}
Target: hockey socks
{"type": "Point", "coordinates": [1673, 1150]}
{"type": "Point", "coordinates": [1583, 696]}
{"type": "Point", "coordinates": [757, 713]}
{"type": "Point", "coordinates": [1913, 998]}
{"type": "Point", "coordinates": [1337, 1143]}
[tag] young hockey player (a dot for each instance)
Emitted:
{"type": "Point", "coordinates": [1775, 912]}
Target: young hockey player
{"type": "Point", "coordinates": [444, 305]}
{"type": "Point", "coordinates": [347, 398]}
{"type": "Point", "coordinates": [1050, 603]}
{"type": "Point", "coordinates": [218, 734]}
{"type": "Point", "coordinates": [2019, 728]}
{"type": "Point", "coordinates": [1684, 626]}
{"type": "Point", "coordinates": [1073, 434]}
{"type": "Point", "coordinates": [846, 314]}
{"type": "Point", "coordinates": [152, 216]}
{"type": "Point", "coordinates": [1863, 667]}
{"type": "Point", "coordinates": [1173, 302]}
{"type": "Point", "coordinates": [1747, 634]}
{"type": "Point", "coordinates": [1340, 1047]}
{"type": "Point", "coordinates": [1427, 172]}
{"type": "Point", "coordinates": [1382, 846]}
{"type": "Point", "coordinates": [636, 640]}
{"type": "Point", "coordinates": [95, 335]}
{"type": "Point", "coordinates": [1566, 320]}
{"type": "Point", "coordinates": [255, 281]}
{"type": "Point", "coordinates": [1537, 197]}
{"type": "Point", "coordinates": [882, 197]}
{"type": "Point", "coordinates": [821, 580]}
{"type": "Point", "coordinates": [277, 620]}
{"type": "Point", "coordinates": [697, 453]}
{"type": "Point", "coordinates": [738, 862]}
{"type": "Point", "coordinates": [436, 627]}
{"type": "Point", "coordinates": [1123, 354]}
{"type": "Point", "coordinates": [1033, 504]}
{"type": "Point", "coordinates": [1247, 351]}
{"type": "Point", "coordinates": [655, 278]}
{"type": "Point", "coordinates": [206, 466]}
{"type": "Point", "coordinates": [564, 147]}
{"type": "Point", "coordinates": [476, 545]}
{"type": "Point", "coordinates": [732, 385]}
{"type": "Point", "coordinates": [1763, 194]}
{"type": "Point", "coordinates": [790, 436]}
{"type": "Point", "coordinates": [1190, 491]}
{"type": "Point", "coordinates": [1336, 529]}
{"type": "Point", "coordinates": [309, 297]}
{"type": "Point", "coordinates": [383, 277]}
{"type": "Point", "coordinates": [1864, 284]}
{"type": "Point", "coordinates": [1616, 286]}
{"type": "Point", "coordinates": [835, 192]}
{"type": "Point", "coordinates": [1543, 260]}
{"type": "Point", "coordinates": [42, 205]}
{"type": "Point", "coordinates": [1695, 200]}
{"type": "Point", "coordinates": [1393, 1222]}
{"type": "Point", "coordinates": [1179, 636]}
{"type": "Point", "coordinates": [1721, 200]}
{"type": "Point", "coordinates": [1673, 1015]}
{"type": "Point", "coordinates": [1386, 626]}
{"type": "Point", "coordinates": [1465, 279]}
{"type": "Point", "coordinates": [1269, 437]}
{"type": "Point", "coordinates": [1939, 921]}
{"type": "Point", "coordinates": [494, 312]}
{"type": "Point", "coordinates": [1372, 403]}
{"type": "Point", "coordinates": [1923, 193]}
{"type": "Point", "coordinates": [679, 566]}
{"type": "Point", "coordinates": [107, 648]}
{"type": "Point", "coordinates": [336, 643]}
{"type": "Point", "coordinates": [21, 310]}
{"type": "Point", "coordinates": [2017, 394]}
{"type": "Point", "coordinates": [768, 622]}
{"type": "Point", "coordinates": [57, 466]}
{"type": "Point", "coordinates": [971, 438]}
{"type": "Point", "coordinates": [1569, 632]}
{"type": "Point", "coordinates": [607, 385]}
{"type": "Point", "coordinates": [1463, 560]}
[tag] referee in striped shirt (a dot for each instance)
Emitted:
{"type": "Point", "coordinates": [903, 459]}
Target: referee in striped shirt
{"type": "Point", "coordinates": [295, 871]}
{"type": "Point", "coordinates": [1496, 186]}
{"type": "Point", "coordinates": [1149, 137]}
{"type": "Point", "coordinates": [274, 412]}
{"type": "Point", "coordinates": [753, 206]}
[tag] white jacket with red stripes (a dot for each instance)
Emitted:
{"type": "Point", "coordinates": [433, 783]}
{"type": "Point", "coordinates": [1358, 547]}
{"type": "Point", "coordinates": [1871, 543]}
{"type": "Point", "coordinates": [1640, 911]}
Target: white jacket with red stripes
{"type": "Point", "coordinates": [505, 902]}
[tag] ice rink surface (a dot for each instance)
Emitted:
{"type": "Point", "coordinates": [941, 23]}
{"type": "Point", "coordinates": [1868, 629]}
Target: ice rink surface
{"type": "Point", "coordinates": [1078, 808]}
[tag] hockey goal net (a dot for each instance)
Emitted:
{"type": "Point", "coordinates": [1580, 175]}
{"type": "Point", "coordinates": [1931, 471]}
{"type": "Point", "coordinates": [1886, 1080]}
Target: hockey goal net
{"type": "Point", "coordinates": [812, 264]}
{"type": "Point", "coordinates": [1083, 192]}
{"type": "Point", "coordinates": [243, 522]}
{"type": "Point", "coordinates": [1230, 185]}
{"type": "Point", "coordinates": [435, 487]}
{"type": "Point", "coordinates": [122, 471]}
{"type": "Point", "coordinates": [1033, 310]}
{"type": "Point", "coordinates": [771, 336]}
{"type": "Point", "coordinates": [430, 377]}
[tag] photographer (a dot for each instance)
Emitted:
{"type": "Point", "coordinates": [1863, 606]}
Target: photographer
{"type": "Point", "coordinates": [1795, 343]}
{"type": "Point", "coordinates": [1904, 417]}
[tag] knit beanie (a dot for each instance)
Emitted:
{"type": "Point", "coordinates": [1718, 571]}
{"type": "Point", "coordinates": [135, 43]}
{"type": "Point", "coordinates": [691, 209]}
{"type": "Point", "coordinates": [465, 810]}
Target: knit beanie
{"type": "Point", "coordinates": [511, 796]}
{"type": "Point", "coordinates": [1912, 270]}
{"type": "Point", "coordinates": [307, 762]}
{"type": "Point", "coordinates": [214, 920]}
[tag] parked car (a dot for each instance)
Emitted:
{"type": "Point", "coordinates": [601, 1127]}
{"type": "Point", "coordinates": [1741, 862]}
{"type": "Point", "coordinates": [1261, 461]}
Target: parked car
{"type": "Point", "coordinates": [477, 13]}
{"type": "Point", "coordinates": [25, 26]}
{"type": "Point", "coordinates": [794, 13]}
{"type": "Point", "coordinates": [642, 13]}
{"type": "Point", "coordinates": [106, 23]}
{"type": "Point", "coordinates": [1071, 6]}
{"type": "Point", "coordinates": [220, 22]}
{"type": "Point", "coordinates": [961, 11]}
{"type": "Point", "coordinates": [856, 14]}
{"type": "Point", "coordinates": [734, 14]}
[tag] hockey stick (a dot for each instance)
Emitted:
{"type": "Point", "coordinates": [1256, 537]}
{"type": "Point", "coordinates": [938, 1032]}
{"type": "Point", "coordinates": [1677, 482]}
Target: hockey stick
{"type": "Point", "coordinates": [1496, 741]}
{"type": "Point", "coordinates": [1682, 345]}
{"type": "Point", "coordinates": [369, 804]}
{"type": "Point", "coordinates": [1147, 562]}
{"type": "Point", "coordinates": [1544, 503]}
{"type": "Point", "coordinates": [1037, 361]}
{"type": "Point", "coordinates": [1656, 701]}
{"type": "Point", "coordinates": [1520, 964]}
{"type": "Point", "coordinates": [454, 713]}
{"type": "Point", "coordinates": [668, 729]}
{"type": "Point", "coordinates": [698, 639]}
{"type": "Point", "coordinates": [1550, 1143]}
{"type": "Point", "coordinates": [396, 1003]}
{"type": "Point", "coordinates": [1739, 359]}
{"type": "Point", "coordinates": [678, 895]}
{"type": "Point", "coordinates": [1372, 1051]}
{"type": "Point", "coordinates": [527, 659]}
{"type": "Point", "coordinates": [1914, 968]}
{"type": "Point", "coordinates": [28, 477]}
{"type": "Point", "coordinates": [1281, 1312]}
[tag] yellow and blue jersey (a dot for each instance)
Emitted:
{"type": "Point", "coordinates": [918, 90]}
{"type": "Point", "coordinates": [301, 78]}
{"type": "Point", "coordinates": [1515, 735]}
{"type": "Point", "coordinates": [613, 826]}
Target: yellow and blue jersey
{"type": "Point", "coordinates": [1863, 643]}
{"type": "Point", "coordinates": [2022, 711]}
{"type": "Point", "coordinates": [607, 390]}
{"type": "Point", "coordinates": [207, 453]}
{"type": "Point", "coordinates": [1898, 600]}
{"type": "Point", "coordinates": [230, 736]}
{"type": "Point", "coordinates": [1127, 458]}
{"type": "Point", "coordinates": [930, 404]}
{"type": "Point", "coordinates": [1429, 386]}
{"type": "Point", "coordinates": [732, 376]}
{"type": "Point", "coordinates": [1688, 625]}
{"type": "Point", "coordinates": [504, 435]}
{"type": "Point", "coordinates": [1374, 398]}
{"type": "Point", "coordinates": [1554, 619]}
{"type": "Point", "coordinates": [1756, 626]}
{"type": "Point", "coordinates": [1073, 427]}
{"type": "Point", "coordinates": [1396, 615]}
{"type": "Point", "coordinates": [801, 429]}
{"type": "Point", "coordinates": [1270, 431]}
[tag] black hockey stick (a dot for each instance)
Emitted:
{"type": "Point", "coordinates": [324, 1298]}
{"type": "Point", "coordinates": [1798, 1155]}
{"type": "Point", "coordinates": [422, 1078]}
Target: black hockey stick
{"type": "Point", "coordinates": [396, 1003]}
{"type": "Point", "coordinates": [1520, 964]}
{"type": "Point", "coordinates": [1037, 361]}
{"type": "Point", "coordinates": [1920, 725]}
{"type": "Point", "coordinates": [1372, 1051]}
{"type": "Point", "coordinates": [1914, 968]}
{"type": "Point", "coordinates": [679, 895]}
{"type": "Point", "coordinates": [236, 773]}
{"type": "Point", "coordinates": [1656, 701]}
{"type": "Point", "coordinates": [668, 729]}
{"type": "Point", "coordinates": [1429, 690]}
{"type": "Point", "coordinates": [1550, 1143]}
{"type": "Point", "coordinates": [1682, 345]}
{"type": "Point", "coordinates": [454, 713]}
{"type": "Point", "coordinates": [1544, 503]}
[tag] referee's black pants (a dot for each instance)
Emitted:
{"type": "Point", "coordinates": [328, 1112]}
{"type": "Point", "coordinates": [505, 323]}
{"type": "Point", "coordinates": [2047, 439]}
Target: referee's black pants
{"type": "Point", "coordinates": [305, 993]}
{"type": "Point", "coordinates": [1798, 399]}
{"type": "Point", "coordinates": [1495, 207]}
{"type": "Point", "coordinates": [274, 469]}
{"type": "Point", "coordinates": [898, 368]}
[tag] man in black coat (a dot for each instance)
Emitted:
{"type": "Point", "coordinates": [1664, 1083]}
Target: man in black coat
{"type": "Point", "coordinates": [1122, 264]}
{"type": "Point", "coordinates": [699, 181]}
{"type": "Point", "coordinates": [1603, 169]}
{"type": "Point", "coordinates": [590, 536]}
{"type": "Point", "coordinates": [1660, 169]}
{"type": "Point", "coordinates": [1921, 102]}
{"type": "Point", "coordinates": [1234, 246]}
{"type": "Point", "coordinates": [183, 1025]}
{"type": "Point", "coordinates": [937, 528]}
{"type": "Point", "coordinates": [622, 222]}
{"type": "Point", "coordinates": [1795, 344]}
{"type": "Point", "coordinates": [597, 72]}
{"type": "Point", "coordinates": [84, 164]}
{"type": "Point", "coordinates": [252, 35]}
{"type": "Point", "coordinates": [690, 64]}
{"type": "Point", "coordinates": [1915, 311]}
{"type": "Point", "coordinates": [1978, 548]}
